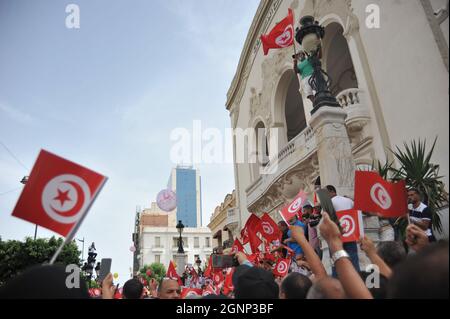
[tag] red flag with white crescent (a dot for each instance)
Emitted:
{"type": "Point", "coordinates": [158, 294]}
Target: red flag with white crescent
{"type": "Point", "coordinates": [291, 210]}
{"type": "Point", "coordinates": [352, 225]}
{"type": "Point", "coordinates": [237, 247]}
{"type": "Point", "coordinates": [209, 269]}
{"type": "Point", "coordinates": [269, 229]}
{"type": "Point", "coordinates": [188, 292]}
{"type": "Point", "coordinates": [252, 226]}
{"type": "Point", "coordinates": [281, 36]}
{"type": "Point", "coordinates": [374, 194]}
{"type": "Point", "coordinates": [228, 283]}
{"type": "Point", "coordinates": [282, 267]}
{"type": "Point", "coordinates": [58, 193]}
{"type": "Point", "coordinates": [172, 273]}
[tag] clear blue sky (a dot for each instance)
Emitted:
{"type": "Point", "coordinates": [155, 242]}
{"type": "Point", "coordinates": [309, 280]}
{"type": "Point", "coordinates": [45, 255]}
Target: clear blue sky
{"type": "Point", "coordinates": [108, 95]}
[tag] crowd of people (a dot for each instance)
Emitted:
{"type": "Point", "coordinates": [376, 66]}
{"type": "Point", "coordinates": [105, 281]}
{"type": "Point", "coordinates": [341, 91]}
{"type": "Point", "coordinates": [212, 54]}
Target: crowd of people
{"type": "Point", "coordinates": [415, 266]}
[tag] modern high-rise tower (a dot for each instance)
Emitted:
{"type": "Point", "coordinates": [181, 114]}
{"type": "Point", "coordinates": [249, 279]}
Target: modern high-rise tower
{"type": "Point", "coordinates": [186, 183]}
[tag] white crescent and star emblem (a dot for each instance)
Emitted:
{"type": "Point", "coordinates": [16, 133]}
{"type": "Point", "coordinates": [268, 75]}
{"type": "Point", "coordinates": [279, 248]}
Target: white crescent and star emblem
{"type": "Point", "coordinates": [285, 38]}
{"type": "Point", "coordinates": [295, 206]}
{"type": "Point", "coordinates": [348, 225]}
{"type": "Point", "coordinates": [267, 228]}
{"type": "Point", "coordinates": [380, 196]}
{"type": "Point", "coordinates": [282, 267]}
{"type": "Point", "coordinates": [65, 198]}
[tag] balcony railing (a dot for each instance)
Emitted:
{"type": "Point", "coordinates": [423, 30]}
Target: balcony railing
{"type": "Point", "coordinates": [349, 97]}
{"type": "Point", "coordinates": [297, 150]}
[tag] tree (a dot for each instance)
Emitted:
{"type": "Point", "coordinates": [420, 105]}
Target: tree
{"type": "Point", "coordinates": [155, 271]}
{"type": "Point", "coordinates": [418, 172]}
{"type": "Point", "coordinates": [16, 256]}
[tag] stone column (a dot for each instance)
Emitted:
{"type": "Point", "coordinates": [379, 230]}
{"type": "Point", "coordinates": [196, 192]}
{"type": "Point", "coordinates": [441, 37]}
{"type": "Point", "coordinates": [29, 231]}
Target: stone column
{"type": "Point", "coordinates": [336, 163]}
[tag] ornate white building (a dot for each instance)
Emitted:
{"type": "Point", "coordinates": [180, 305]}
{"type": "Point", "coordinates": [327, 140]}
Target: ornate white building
{"type": "Point", "coordinates": [391, 81]}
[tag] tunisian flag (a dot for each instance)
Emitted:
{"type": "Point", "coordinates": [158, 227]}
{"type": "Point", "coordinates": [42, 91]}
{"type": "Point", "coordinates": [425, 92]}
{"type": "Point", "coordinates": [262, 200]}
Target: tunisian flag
{"type": "Point", "coordinates": [291, 210]}
{"type": "Point", "coordinates": [374, 194]}
{"type": "Point", "coordinates": [228, 283]}
{"type": "Point", "coordinates": [269, 229]}
{"type": "Point", "coordinates": [172, 273]}
{"type": "Point", "coordinates": [252, 226]}
{"type": "Point", "coordinates": [282, 267]}
{"type": "Point", "coordinates": [188, 292]}
{"type": "Point", "coordinates": [237, 246]}
{"type": "Point", "coordinates": [58, 194]}
{"type": "Point", "coordinates": [281, 36]}
{"type": "Point", "coordinates": [352, 225]}
{"type": "Point", "coordinates": [209, 269]}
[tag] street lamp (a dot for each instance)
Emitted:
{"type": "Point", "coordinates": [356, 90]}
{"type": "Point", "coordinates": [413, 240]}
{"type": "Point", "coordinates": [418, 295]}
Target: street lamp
{"type": "Point", "coordinates": [309, 35]}
{"type": "Point", "coordinates": [82, 249]}
{"type": "Point", "coordinates": [24, 180]}
{"type": "Point", "coordinates": [97, 270]}
{"type": "Point", "coordinates": [180, 228]}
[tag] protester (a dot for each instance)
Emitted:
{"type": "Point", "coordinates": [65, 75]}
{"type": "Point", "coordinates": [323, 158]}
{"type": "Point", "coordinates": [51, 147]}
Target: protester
{"type": "Point", "coordinates": [343, 203]}
{"type": "Point", "coordinates": [419, 213]}
{"type": "Point", "coordinates": [291, 243]}
{"type": "Point", "coordinates": [45, 282]}
{"type": "Point", "coordinates": [169, 289]}
{"type": "Point", "coordinates": [295, 286]}
{"type": "Point", "coordinates": [133, 289]}
{"type": "Point", "coordinates": [392, 252]}
{"type": "Point", "coordinates": [326, 288]}
{"type": "Point", "coordinates": [303, 66]}
{"type": "Point", "coordinates": [352, 283]}
{"type": "Point", "coordinates": [423, 275]}
{"type": "Point", "coordinates": [253, 282]}
{"type": "Point", "coordinates": [369, 248]}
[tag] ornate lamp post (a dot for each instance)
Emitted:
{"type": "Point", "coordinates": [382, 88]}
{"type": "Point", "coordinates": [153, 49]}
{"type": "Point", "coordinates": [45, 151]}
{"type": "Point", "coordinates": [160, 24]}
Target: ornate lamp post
{"type": "Point", "coordinates": [309, 36]}
{"type": "Point", "coordinates": [180, 228]}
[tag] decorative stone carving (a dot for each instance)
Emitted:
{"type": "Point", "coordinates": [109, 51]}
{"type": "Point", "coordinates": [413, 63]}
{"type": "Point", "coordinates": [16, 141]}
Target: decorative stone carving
{"type": "Point", "coordinates": [287, 186]}
{"type": "Point", "coordinates": [271, 71]}
{"type": "Point", "coordinates": [336, 162]}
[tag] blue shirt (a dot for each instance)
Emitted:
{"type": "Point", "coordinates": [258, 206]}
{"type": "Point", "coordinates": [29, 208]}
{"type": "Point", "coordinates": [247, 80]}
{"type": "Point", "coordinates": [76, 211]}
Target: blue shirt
{"type": "Point", "coordinates": [293, 245]}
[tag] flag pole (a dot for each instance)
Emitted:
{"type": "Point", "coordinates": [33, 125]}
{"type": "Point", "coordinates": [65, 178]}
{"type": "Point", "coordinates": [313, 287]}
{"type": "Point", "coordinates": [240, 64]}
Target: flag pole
{"type": "Point", "coordinates": [74, 230]}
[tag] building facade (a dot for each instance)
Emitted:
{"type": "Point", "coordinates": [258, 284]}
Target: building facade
{"type": "Point", "coordinates": [186, 183]}
{"type": "Point", "coordinates": [224, 223]}
{"type": "Point", "coordinates": [391, 81]}
{"type": "Point", "coordinates": [157, 239]}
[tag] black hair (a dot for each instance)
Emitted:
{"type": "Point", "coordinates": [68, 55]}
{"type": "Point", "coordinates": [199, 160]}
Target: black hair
{"type": "Point", "coordinates": [331, 189]}
{"type": "Point", "coordinates": [44, 282]}
{"type": "Point", "coordinates": [424, 275]}
{"type": "Point", "coordinates": [133, 289]}
{"type": "Point", "coordinates": [392, 252]}
{"type": "Point", "coordinates": [415, 190]}
{"type": "Point", "coordinates": [296, 286]}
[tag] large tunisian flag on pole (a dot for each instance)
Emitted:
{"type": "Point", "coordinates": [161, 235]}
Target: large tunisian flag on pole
{"type": "Point", "coordinates": [58, 194]}
{"type": "Point", "coordinates": [281, 36]}
{"type": "Point", "coordinates": [374, 194]}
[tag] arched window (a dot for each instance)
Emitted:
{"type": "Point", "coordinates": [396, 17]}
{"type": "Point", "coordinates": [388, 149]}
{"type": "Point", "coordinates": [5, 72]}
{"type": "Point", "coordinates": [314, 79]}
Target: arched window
{"type": "Point", "coordinates": [337, 59]}
{"type": "Point", "coordinates": [261, 149]}
{"type": "Point", "coordinates": [294, 112]}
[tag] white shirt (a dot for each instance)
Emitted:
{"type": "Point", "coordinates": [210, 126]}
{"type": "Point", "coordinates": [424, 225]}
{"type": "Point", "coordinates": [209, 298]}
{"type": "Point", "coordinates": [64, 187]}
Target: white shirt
{"type": "Point", "coordinates": [341, 203]}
